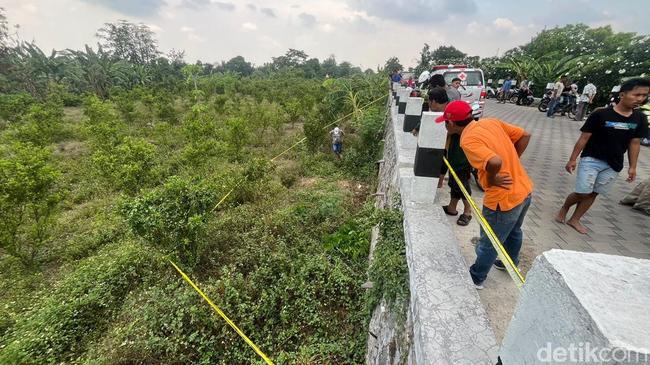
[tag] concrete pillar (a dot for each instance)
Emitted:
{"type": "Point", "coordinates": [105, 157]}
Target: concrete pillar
{"type": "Point", "coordinates": [396, 93]}
{"type": "Point", "coordinates": [394, 87]}
{"type": "Point", "coordinates": [413, 113]}
{"type": "Point", "coordinates": [402, 95]}
{"type": "Point", "coordinates": [581, 308]}
{"type": "Point", "coordinates": [430, 146]}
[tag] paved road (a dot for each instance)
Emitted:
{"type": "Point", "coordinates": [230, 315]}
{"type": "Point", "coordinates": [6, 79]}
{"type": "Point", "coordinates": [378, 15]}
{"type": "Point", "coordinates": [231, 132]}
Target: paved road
{"type": "Point", "coordinates": [613, 228]}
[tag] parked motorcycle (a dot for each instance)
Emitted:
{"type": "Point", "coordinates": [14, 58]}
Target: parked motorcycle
{"type": "Point", "coordinates": [491, 93]}
{"type": "Point", "coordinates": [523, 98]}
{"type": "Point", "coordinates": [567, 107]}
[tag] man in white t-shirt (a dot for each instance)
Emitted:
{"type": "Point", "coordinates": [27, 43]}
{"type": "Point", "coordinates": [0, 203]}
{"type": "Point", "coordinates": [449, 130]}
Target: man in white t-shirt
{"type": "Point", "coordinates": [586, 98]}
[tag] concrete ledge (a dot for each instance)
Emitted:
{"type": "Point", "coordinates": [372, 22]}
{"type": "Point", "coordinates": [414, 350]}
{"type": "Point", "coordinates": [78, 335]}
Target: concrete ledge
{"type": "Point", "coordinates": [448, 321]}
{"type": "Point", "coordinates": [581, 302]}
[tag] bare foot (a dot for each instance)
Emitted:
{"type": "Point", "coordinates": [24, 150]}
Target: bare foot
{"type": "Point", "coordinates": [560, 217]}
{"type": "Point", "coordinates": [577, 226]}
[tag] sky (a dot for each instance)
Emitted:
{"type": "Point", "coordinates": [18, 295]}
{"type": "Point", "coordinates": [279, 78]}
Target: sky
{"type": "Point", "coordinates": [363, 32]}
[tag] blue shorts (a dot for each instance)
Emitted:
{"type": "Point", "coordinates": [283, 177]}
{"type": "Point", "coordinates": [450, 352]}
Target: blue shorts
{"type": "Point", "coordinates": [595, 176]}
{"type": "Point", "coordinates": [336, 147]}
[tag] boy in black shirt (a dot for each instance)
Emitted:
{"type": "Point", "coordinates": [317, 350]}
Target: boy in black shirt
{"type": "Point", "coordinates": [606, 135]}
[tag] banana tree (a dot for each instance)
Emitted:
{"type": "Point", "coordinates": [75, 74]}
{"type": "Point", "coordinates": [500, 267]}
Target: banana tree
{"type": "Point", "coordinates": [98, 71]}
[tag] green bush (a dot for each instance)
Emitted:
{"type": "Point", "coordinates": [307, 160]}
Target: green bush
{"type": "Point", "coordinates": [28, 199]}
{"type": "Point", "coordinates": [13, 106]}
{"type": "Point", "coordinates": [295, 305]}
{"type": "Point", "coordinates": [79, 309]}
{"type": "Point", "coordinates": [125, 103]}
{"type": "Point", "coordinates": [388, 270]}
{"type": "Point", "coordinates": [102, 125]}
{"type": "Point", "coordinates": [352, 239]}
{"type": "Point", "coordinates": [172, 216]}
{"type": "Point", "coordinates": [40, 125]}
{"type": "Point", "coordinates": [237, 136]}
{"type": "Point", "coordinates": [128, 166]}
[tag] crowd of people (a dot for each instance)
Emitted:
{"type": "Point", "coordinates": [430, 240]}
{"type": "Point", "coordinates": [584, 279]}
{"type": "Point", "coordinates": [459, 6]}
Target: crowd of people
{"type": "Point", "coordinates": [494, 147]}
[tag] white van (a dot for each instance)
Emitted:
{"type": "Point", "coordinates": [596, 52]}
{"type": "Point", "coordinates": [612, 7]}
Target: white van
{"type": "Point", "coordinates": [472, 89]}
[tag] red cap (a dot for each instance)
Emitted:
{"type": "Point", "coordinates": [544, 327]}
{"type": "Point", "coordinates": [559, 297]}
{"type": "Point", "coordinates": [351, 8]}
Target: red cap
{"type": "Point", "coordinates": [455, 111]}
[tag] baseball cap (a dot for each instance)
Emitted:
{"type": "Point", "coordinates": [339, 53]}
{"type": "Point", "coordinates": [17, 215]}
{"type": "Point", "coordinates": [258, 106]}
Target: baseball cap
{"type": "Point", "coordinates": [455, 111]}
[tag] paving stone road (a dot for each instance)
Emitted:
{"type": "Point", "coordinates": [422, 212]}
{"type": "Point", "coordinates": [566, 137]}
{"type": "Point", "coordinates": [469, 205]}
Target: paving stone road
{"type": "Point", "coordinates": [613, 228]}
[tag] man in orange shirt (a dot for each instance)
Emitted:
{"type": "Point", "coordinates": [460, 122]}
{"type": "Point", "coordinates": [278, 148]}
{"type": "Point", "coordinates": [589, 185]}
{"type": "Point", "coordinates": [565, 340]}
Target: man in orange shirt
{"type": "Point", "coordinates": [494, 147]}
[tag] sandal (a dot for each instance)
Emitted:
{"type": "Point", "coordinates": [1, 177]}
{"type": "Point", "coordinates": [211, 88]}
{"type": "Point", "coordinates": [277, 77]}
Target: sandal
{"type": "Point", "coordinates": [464, 220]}
{"type": "Point", "coordinates": [446, 209]}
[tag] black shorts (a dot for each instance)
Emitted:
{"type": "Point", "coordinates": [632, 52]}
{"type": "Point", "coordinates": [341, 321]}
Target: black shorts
{"type": "Point", "coordinates": [464, 176]}
{"type": "Point", "coordinates": [443, 166]}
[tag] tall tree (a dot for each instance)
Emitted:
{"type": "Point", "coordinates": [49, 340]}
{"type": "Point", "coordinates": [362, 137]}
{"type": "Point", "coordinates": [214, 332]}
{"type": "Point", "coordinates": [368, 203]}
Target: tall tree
{"type": "Point", "coordinates": [130, 42]}
{"type": "Point", "coordinates": [292, 58]}
{"type": "Point", "coordinates": [238, 65]}
{"type": "Point", "coordinates": [425, 59]}
{"type": "Point", "coordinates": [392, 64]}
{"type": "Point", "coordinates": [447, 55]}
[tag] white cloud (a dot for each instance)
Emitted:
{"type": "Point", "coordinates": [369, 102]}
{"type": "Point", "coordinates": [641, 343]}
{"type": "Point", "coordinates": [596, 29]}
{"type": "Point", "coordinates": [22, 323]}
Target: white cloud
{"type": "Point", "coordinates": [186, 29]}
{"type": "Point", "coordinates": [506, 24]}
{"type": "Point", "coordinates": [249, 26]}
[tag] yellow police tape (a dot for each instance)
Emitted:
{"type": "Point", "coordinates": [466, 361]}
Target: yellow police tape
{"type": "Point", "coordinates": [512, 269]}
{"type": "Point", "coordinates": [223, 315]}
{"type": "Point", "coordinates": [290, 148]}
{"type": "Point", "coordinates": [214, 306]}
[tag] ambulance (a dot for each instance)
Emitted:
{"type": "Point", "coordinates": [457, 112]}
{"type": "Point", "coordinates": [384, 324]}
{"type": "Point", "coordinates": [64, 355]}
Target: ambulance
{"type": "Point", "coordinates": [472, 89]}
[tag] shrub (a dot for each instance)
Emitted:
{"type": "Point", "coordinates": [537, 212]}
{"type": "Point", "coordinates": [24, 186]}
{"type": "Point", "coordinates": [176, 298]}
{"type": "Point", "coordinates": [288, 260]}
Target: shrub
{"type": "Point", "coordinates": [102, 125]}
{"type": "Point", "coordinates": [124, 102]}
{"type": "Point", "coordinates": [352, 239]}
{"type": "Point", "coordinates": [172, 216]}
{"type": "Point", "coordinates": [79, 309]}
{"type": "Point", "coordinates": [13, 106]}
{"type": "Point", "coordinates": [388, 270]}
{"type": "Point", "coordinates": [128, 166]}
{"type": "Point", "coordinates": [164, 106]}
{"type": "Point", "coordinates": [237, 135]}
{"type": "Point", "coordinates": [28, 199]}
{"type": "Point", "coordinates": [40, 125]}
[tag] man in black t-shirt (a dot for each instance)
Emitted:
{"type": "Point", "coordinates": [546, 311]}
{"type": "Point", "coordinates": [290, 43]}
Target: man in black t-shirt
{"type": "Point", "coordinates": [606, 135]}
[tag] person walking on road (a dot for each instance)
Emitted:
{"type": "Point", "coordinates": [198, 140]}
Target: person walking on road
{"type": "Point", "coordinates": [494, 148]}
{"type": "Point", "coordinates": [606, 135]}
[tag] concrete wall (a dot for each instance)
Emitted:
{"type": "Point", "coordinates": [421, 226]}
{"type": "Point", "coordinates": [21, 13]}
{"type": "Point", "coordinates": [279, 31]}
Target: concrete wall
{"type": "Point", "coordinates": [578, 305]}
{"type": "Point", "coordinates": [446, 322]}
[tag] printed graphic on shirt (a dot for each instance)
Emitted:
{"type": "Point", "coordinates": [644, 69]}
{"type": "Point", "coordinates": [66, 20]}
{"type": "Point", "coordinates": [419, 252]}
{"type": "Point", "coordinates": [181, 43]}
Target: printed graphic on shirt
{"type": "Point", "coordinates": [620, 125]}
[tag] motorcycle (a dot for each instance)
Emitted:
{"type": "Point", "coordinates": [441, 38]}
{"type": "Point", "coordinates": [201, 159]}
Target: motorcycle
{"type": "Point", "coordinates": [567, 107]}
{"type": "Point", "coordinates": [523, 97]}
{"type": "Point", "coordinates": [490, 92]}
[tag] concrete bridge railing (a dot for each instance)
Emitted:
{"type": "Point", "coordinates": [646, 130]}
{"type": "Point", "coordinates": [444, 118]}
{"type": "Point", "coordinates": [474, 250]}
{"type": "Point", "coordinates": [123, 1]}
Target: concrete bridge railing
{"type": "Point", "coordinates": [574, 307]}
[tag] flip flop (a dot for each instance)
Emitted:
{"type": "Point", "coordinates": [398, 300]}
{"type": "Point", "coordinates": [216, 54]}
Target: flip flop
{"type": "Point", "coordinates": [446, 209]}
{"type": "Point", "coordinates": [464, 220]}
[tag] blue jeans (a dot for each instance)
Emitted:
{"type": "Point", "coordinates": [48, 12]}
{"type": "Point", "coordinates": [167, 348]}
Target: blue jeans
{"type": "Point", "coordinates": [336, 147]}
{"type": "Point", "coordinates": [507, 227]}
{"type": "Point", "coordinates": [551, 106]}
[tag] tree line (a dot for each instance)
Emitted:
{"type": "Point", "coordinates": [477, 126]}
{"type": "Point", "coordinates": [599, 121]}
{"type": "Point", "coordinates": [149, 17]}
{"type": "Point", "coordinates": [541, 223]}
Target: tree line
{"type": "Point", "coordinates": [127, 56]}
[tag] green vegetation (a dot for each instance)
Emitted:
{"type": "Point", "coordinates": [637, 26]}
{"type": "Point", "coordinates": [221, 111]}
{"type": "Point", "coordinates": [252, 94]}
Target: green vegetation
{"type": "Point", "coordinates": [115, 159]}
